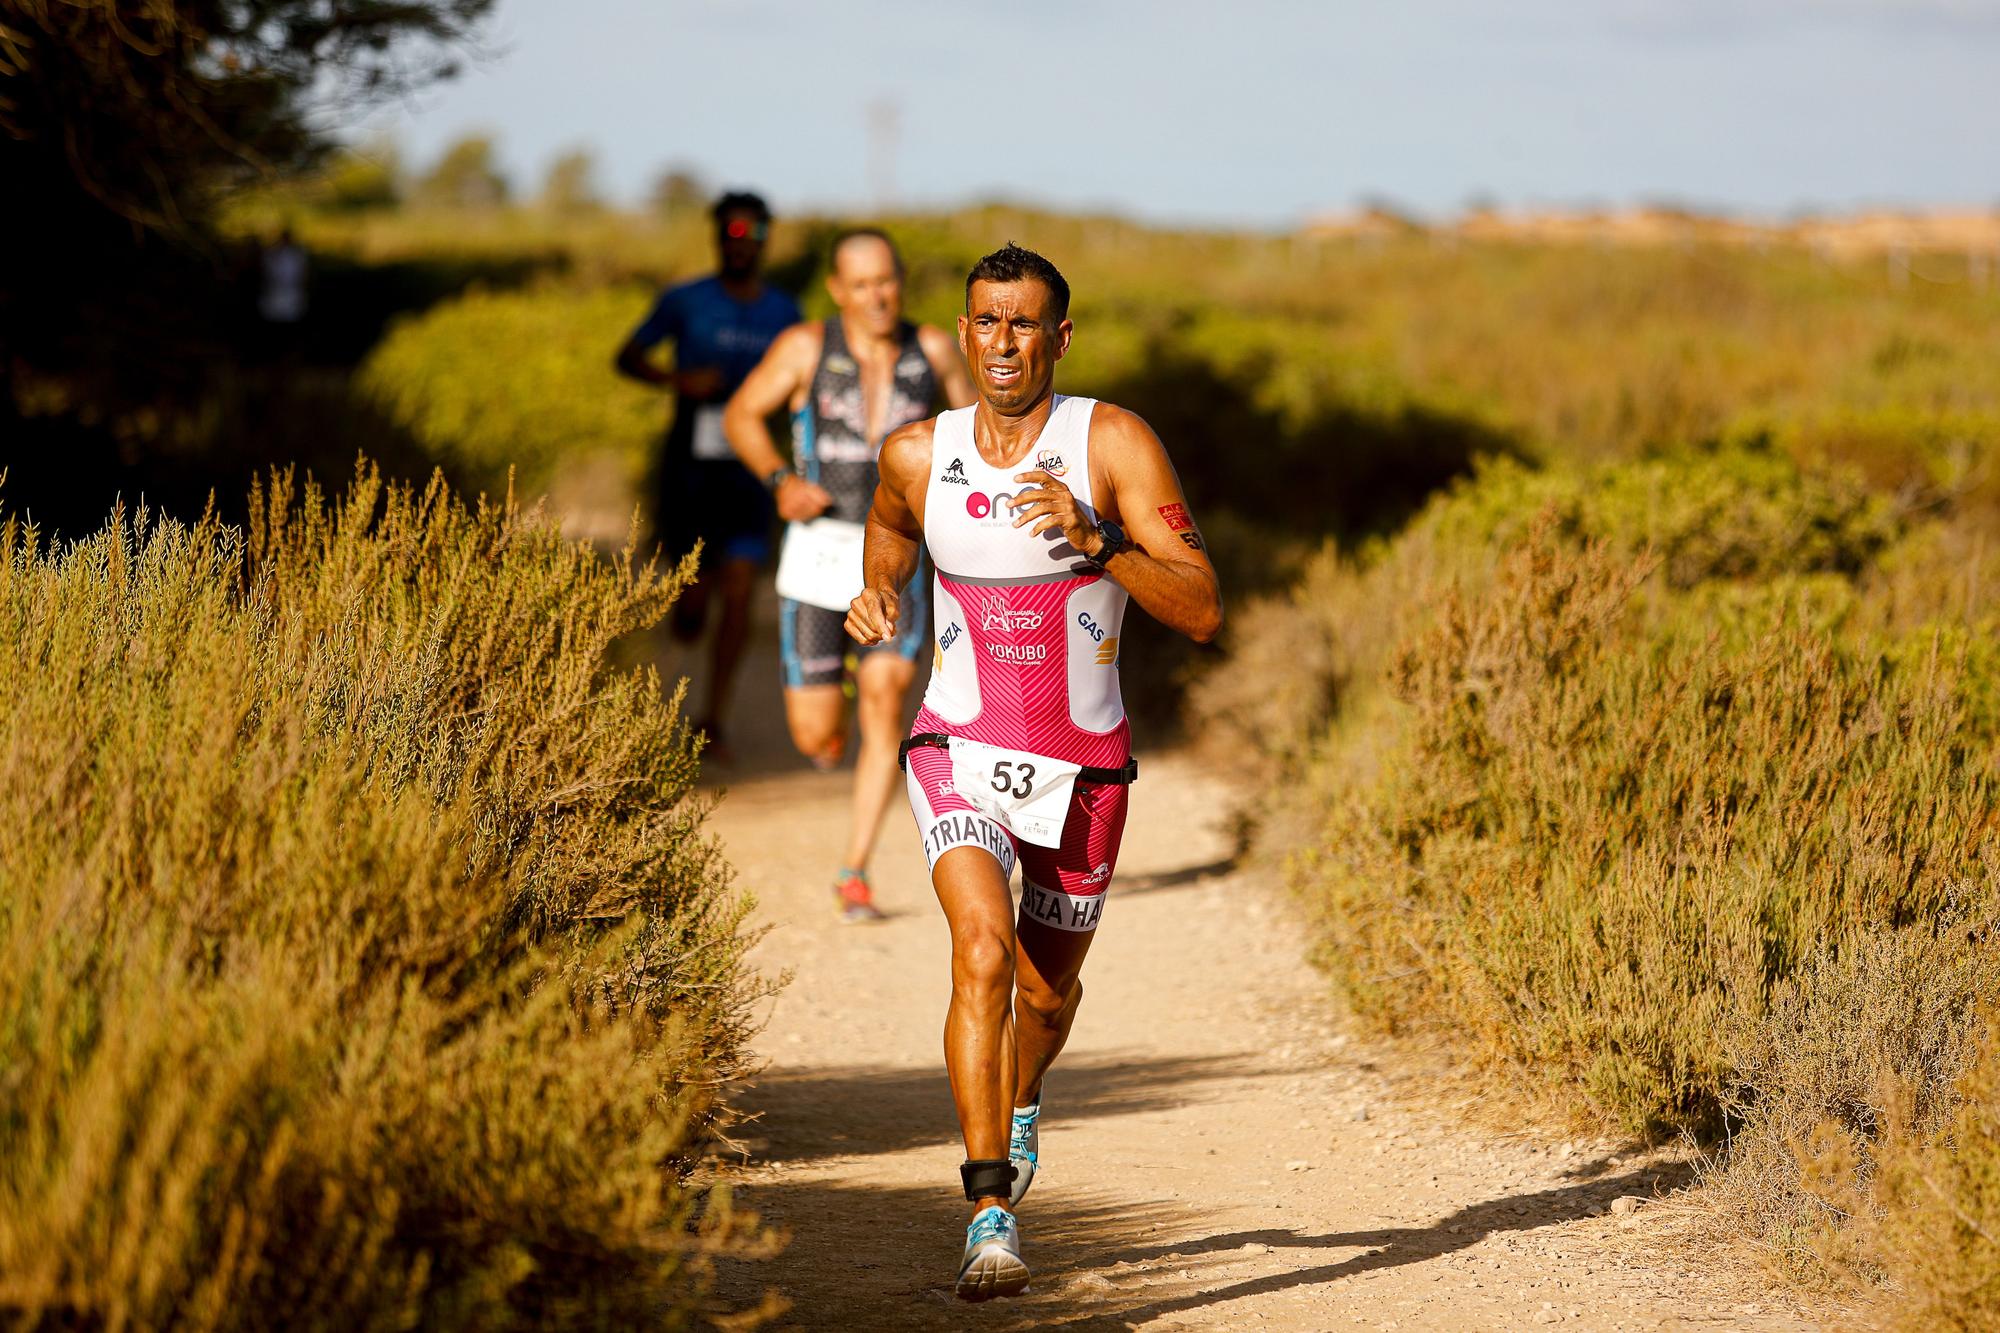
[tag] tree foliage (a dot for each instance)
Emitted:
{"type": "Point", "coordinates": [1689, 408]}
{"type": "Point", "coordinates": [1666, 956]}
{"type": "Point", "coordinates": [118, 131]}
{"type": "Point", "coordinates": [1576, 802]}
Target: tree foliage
{"type": "Point", "coordinates": [571, 185]}
{"type": "Point", "coordinates": [364, 178]}
{"type": "Point", "coordinates": [122, 125]}
{"type": "Point", "coordinates": [146, 106]}
{"type": "Point", "coordinates": [679, 190]}
{"type": "Point", "coordinates": [465, 177]}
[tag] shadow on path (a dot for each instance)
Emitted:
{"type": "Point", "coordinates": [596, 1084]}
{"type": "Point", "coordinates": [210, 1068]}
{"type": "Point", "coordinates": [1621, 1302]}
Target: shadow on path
{"type": "Point", "coordinates": [1127, 885]}
{"type": "Point", "coordinates": [882, 1258]}
{"type": "Point", "coordinates": [851, 1110]}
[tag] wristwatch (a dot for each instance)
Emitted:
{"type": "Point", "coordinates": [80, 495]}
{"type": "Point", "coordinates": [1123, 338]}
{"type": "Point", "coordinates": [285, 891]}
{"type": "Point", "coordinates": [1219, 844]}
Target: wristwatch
{"type": "Point", "coordinates": [1114, 540]}
{"type": "Point", "coordinates": [776, 478]}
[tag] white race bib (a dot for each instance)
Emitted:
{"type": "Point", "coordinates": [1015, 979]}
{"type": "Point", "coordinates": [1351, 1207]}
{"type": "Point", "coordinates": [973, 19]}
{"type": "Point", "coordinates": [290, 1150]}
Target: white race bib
{"type": "Point", "coordinates": [821, 563]}
{"type": "Point", "coordinates": [1027, 794]}
{"type": "Point", "coordinates": [709, 441]}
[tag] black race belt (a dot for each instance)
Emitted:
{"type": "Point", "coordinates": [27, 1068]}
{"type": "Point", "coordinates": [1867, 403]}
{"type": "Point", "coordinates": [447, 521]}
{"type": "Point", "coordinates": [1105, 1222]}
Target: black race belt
{"type": "Point", "coordinates": [937, 740]}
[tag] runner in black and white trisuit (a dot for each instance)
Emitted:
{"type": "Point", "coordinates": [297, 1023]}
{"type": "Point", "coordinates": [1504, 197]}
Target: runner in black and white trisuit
{"type": "Point", "coordinates": [1021, 752]}
{"type": "Point", "coordinates": [849, 381]}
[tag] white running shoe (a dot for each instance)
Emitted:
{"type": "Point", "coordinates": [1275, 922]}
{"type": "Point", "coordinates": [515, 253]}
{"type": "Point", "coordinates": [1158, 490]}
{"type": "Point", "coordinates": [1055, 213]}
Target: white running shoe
{"type": "Point", "coordinates": [992, 1264]}
{"type": "Point", "coordinates": [1023, 1149]}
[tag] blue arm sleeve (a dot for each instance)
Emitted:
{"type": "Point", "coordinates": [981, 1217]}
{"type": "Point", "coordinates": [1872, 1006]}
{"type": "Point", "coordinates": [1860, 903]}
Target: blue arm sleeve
{"type": "Point", "coordinates": [664, 321]}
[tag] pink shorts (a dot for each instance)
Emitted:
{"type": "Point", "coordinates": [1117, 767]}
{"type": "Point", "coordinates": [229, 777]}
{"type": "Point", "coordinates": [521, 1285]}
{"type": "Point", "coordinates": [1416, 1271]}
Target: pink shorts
{"type": "Point", "coordinates": [1062, 887]}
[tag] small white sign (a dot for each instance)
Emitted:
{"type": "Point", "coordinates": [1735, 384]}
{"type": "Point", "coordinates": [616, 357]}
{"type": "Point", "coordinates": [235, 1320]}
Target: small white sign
{"type": "Point", "coordinates": [821, 563]}
{"type": "Point", "coordinates": [710, 444]}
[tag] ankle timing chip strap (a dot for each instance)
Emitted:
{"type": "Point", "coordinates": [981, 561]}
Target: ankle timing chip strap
{"type": "Point", "coordinates": [987, 1179]}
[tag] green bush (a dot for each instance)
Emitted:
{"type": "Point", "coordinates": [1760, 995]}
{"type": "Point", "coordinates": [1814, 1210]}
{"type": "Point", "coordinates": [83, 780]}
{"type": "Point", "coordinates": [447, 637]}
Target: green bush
{"type": "Point", "coordinates": [521, 380]}
{"type": "Point", "coordinates": [363, 963]}
{"type": "Point", "coordinates": [1707, 515]}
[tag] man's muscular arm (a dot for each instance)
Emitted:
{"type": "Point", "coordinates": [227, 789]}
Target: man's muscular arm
{"type": "Point", "coordinates": [786, 368]}
{"type": "Point", "coordinates": [895, 530]}
{"type": "Point", "coordinates": [1166, 568]}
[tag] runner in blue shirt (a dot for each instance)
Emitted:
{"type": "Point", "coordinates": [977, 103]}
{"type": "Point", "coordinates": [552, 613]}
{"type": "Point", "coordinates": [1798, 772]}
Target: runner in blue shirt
{"type": "Point", "coordinates": [720, 327]}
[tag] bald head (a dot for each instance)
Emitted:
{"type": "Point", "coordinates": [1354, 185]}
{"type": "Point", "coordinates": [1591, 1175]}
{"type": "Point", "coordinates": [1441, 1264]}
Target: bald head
{"type": "Point", "coordinates": [866, 281]}
{"type": "Point", "coordinates": [866, 246]}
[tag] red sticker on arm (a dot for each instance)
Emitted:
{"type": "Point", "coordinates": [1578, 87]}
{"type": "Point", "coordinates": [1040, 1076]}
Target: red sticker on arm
{"type": "Point", "coordinates": [1177, 517]}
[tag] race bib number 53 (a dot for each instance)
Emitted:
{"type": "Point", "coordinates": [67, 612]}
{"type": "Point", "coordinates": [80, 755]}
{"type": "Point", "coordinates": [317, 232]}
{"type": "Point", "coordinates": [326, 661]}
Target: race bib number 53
{"type": "Point", "coordinates": [1027, 794]}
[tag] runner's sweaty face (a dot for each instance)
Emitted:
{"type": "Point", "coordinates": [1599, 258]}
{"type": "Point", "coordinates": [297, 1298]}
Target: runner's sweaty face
{"type": "Point", "coordinates": [1012, 341]}
{"type": "Point", "coordinates": [867, 284]}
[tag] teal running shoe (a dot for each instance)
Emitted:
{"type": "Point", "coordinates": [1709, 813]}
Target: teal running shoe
{"type": "Point", "coordinates": [1023, 1149]}
{"type": "Point", "coordinates": [993, 1265]}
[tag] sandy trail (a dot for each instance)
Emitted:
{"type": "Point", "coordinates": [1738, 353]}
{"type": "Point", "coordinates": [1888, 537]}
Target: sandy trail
{"type": "Point", "coordinates": [1215, 1155]}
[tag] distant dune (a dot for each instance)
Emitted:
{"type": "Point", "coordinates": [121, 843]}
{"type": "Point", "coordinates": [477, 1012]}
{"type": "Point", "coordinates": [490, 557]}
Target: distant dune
{"type": "Point", "coordinates": [1967, 231]}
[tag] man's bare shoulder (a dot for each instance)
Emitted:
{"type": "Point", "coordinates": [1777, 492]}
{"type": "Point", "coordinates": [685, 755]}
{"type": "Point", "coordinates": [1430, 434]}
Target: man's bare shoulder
{"type": "Point", "coordinates": [800, 344]}
{"type": "Point", "coordinates": [907, 451]}
{"type": "Point", "coordinates": [1121, 429]}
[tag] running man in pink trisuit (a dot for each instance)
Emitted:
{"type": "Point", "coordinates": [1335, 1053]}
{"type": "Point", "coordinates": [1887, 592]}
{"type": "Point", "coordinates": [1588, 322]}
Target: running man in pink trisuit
{"type": "Point", "coordinates": [1042, 515]}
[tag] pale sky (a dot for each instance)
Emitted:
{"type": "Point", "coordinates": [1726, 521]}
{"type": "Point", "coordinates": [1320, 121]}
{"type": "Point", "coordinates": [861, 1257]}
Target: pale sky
{"type": "Point", "coordinates": [1249, 111]}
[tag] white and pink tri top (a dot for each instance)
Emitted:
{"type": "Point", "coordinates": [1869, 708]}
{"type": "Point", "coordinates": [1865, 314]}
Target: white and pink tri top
{"type": "Point", "coordinates": [1025, 634]}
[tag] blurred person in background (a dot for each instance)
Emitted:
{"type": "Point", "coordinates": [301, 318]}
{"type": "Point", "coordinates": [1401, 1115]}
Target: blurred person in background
{"type": "Point", "coordinates": [848, 381]}
{"type": "Point", "coordinates": [281, 296]}
{"type": "Point", "coordinates": [284, 277]}
{"type": "Point", "coordinates": [720, 327]}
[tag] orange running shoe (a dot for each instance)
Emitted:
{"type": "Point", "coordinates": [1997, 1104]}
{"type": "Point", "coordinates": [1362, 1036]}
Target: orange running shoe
{"type": "Point", "coordinates": [856, 900]}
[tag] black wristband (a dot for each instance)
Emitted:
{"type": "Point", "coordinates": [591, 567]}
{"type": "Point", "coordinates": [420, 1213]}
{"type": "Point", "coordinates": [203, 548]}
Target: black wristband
{"type": "Point", "coordinates": [1111, 540]}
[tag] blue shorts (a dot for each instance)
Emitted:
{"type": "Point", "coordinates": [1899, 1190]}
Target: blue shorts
{"type": "Point", "coordinates": [751, 546]}
{"type": "Point", "coordinates": [718, 504]}
{"type": "Point", "coordinates": [815, 647]}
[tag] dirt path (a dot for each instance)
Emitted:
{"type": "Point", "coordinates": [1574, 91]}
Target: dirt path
{"type": "Point", "coordinates": [1214, 1154]}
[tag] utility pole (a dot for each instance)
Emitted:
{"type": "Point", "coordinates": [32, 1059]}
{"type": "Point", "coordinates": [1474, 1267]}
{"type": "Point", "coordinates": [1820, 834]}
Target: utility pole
{"type": "Point", "coordinates": [884, 124]}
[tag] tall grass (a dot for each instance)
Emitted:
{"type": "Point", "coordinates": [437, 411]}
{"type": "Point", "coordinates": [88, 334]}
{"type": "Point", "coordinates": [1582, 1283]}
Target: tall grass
{"type": "Point", "coordinates": [362, 959]}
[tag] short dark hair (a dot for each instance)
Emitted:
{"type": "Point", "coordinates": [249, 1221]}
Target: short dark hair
{"type": "Point", "coordinates": [846, 234]}
{"type": "Point", "coordinates": [741, 201]}
{"type": "Point", "coordinates": [1013, 263]}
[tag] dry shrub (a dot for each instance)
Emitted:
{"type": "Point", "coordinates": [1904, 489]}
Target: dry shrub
{"type": "Point", "coordinates": [1286, 668]}
{"type": "Point", "coordinates": [1859, 1056]}
{"type": "Point", "coordinates": [1937, 1231]}
{"type": "Point", "coordinates": [362, 960]}
{"type": "Point", "coordinates": [1600, 845]}
{"type": "Point", "coordinates": [1676, 800]}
